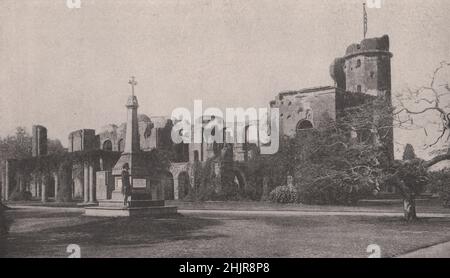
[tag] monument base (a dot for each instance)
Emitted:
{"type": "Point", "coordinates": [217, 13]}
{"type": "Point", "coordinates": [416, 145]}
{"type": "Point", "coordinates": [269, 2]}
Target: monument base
{"type": "Point", "coordinates": [138, 205]}
{"type": "Point", "coordinates": [155, 211]}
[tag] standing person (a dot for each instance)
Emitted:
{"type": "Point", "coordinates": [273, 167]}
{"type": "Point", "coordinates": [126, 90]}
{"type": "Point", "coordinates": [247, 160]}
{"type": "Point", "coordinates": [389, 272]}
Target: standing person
{"type": "Point", "coordinates": [126, 187]}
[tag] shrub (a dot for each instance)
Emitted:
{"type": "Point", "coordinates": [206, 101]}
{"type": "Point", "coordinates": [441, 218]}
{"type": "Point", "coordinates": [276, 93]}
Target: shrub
{"type": "Point", "coordinates": [21, 196]}
{"type": "Point", "coordinates": [284, 195]}
{"type": "Point", "coordinates": [249, 193]}
{"type": "Point", "coordinates": [440, 182]}
{"type": "Point", "coordinates": [190, 197]}
{"type": "Point", "coordinates": [445, 197]}
{"type": "Point", "coordinates": [209, 193]}
{"type": "Point", "coordinates": [341, 189]}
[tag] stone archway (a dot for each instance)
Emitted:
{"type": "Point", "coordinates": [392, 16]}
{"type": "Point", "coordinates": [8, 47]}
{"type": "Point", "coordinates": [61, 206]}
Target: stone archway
{"type": "Point", "coordinates": [184, 185]}
{"type": "Point", "coordinates": [121, 145]}
{"type": "Point", "coordinates": [168, 186]}
{"type": "Point", "coordinates": [50, 184]}
{"type": "Point", "coordinates": [107, 145]}
{"type": "Point", "coordinates": [239, 179]}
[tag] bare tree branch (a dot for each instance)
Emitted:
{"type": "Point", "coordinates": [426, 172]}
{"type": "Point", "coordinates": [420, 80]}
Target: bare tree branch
{"type": "Point", "coordinates": [436, 160]}
{"type": "Point", "coordinates": [416, 96]}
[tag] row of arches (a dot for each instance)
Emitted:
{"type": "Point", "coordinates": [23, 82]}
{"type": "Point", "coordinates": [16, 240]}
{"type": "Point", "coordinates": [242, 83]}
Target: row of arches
{"type": "Point", "coordinates": [180, 187]}
{"type": "Point", "coordinates": [168, 185]}
{"type": "Point", "coordinates": [183, 150]}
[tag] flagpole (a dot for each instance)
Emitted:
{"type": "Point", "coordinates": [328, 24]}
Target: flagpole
{"type": "Point", "coordinates": [364, 20]}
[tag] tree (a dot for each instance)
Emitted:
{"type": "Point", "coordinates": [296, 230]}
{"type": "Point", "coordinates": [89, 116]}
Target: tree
{"type": "Point", "coordinates": [429, 103]}
{"type": "Point", "coordinates": [345, 160]}
{"type": "Point", "coordinates": [17, 146]}
{"type": "Point", "coordinates": [340, 162]}
{"type": "Point", "coordinates": [409, 153]}
{"type": "Point", "coordinates": [410, 177]}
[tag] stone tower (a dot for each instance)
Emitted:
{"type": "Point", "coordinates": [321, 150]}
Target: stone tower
{"type": "Point", "coordinates": [365, 68]}
{"type": "Point", "coordinates": [39, 140]}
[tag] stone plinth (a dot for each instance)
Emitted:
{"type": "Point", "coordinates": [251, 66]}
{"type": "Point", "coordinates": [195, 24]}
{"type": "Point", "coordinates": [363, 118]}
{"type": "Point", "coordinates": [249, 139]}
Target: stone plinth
{"type": "Point", "coordinates": [139, 205]}
{"type": "Point", "coordinates": [131, 212]}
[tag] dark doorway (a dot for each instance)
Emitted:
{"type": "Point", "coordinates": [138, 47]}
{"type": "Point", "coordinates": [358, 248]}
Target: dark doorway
{"type": "Point", "coordinates": [304, 124]}
{"type": "Point", "coordinates": [107, 145]}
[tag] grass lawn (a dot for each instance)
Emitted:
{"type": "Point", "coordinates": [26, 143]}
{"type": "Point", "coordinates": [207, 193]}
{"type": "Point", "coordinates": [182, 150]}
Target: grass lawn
{"type": "Point", "coordinates": [47, 233]}
{"type": "Point", "coordinates": [423, 206]}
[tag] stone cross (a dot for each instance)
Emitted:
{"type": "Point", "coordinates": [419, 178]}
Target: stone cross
{"type": "Point", "coordinates": [133, 83]}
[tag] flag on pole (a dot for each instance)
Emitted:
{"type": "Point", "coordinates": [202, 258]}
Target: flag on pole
{"type": "Point", "coordinates": [365, 19]}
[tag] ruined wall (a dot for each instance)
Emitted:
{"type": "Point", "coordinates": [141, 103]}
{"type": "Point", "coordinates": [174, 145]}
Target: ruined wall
{"type": "Point", "coordinates": [39, 140]}
{"type": "Point", "coordinates": [82, 140]}
{"type": "Point", "coordinates": [316, 105]}
{"type": "Point", "coordinates": [78, 181]}
{"type": "Point", "coordinates": [113, 134]}
{"type": "Point", "coordinates": [9, 181]}
{"type": "Point", "coordinates": [153, 133]}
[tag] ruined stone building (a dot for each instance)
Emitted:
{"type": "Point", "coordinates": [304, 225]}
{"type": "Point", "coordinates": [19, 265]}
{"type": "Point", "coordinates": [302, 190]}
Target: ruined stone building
{"type": "Point", "coordinates": [85, 173]}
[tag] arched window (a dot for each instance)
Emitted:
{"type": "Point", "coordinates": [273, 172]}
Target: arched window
{"type": "Point", "coordinates": [121, 145]}
{"type": "Point", "coordinates": [358, 88]}
{"type": "Point", "coordinates": [304, 124]}
{"type": "Point", "coordinates": [358, 63]}
{"type": "Point", "coordinates": [107, 145]}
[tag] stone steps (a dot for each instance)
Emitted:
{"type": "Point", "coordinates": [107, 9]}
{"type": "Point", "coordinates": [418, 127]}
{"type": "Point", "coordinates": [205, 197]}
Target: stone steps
{"type": "Point", "coordinates": [127, 212]}
{"type": "Point", "coordinates": [132, 203]}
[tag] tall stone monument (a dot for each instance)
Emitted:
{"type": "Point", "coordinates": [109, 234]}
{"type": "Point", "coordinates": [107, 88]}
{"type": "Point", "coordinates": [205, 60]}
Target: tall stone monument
{"type": "Point", "coordinates": [132, 154]}
{"type": "Point", "coordinates": [143, 199]}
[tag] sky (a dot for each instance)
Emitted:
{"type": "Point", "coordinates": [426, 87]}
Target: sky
{"type": "Point", "coordinates": [68, 69]}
